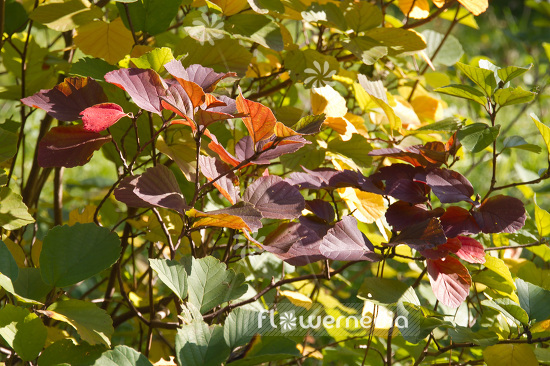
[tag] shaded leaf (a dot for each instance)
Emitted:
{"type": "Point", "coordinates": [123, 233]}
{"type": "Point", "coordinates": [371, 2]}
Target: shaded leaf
{"type": "Point", "coordinates": [441, 251]}
{"type": "Point", "coordinates": [65, 351]}
{"type": "Point", "coordinates": [457, 221]}
{"type": "Point", "coordinates": [478, 136]}
{"type": "Point", "coordinates": [101, 116]}
{"type": "Point", "coordinates": [518, 142]}
{"type": "Point", "coordinates": [449, 52]}
{"type": "Point", "coordinates": [450, 280]}
{"type": "Point", "coordinates": [23, 331]}
{"type": "Point", "coordinates": [239, 327]}
{"type": "Point", "coordinates": [122, 356]}
{"type": "Point", "coordinates": [449, 186]}
{"type": "Point", "coordinates": [397, 180]}
{"type": "Point", "coordinates": [275, 198]}
{"type": "Point", "coordinates": [500, 214]}
{"type": "Point", "coordinates": [65, 15]}
{"type": "Point", "coordinates": [533, 299]}
{"type": "Point", "coordinates": [197, 344]}
{"type": "Point", "coordinates": [402, 214]}
{"type": "Point", "coordinates": [158, 187]}
{"type": "Point", "coordinates": [512, 354]}
{"type": "Point", "coordinates": [482, 338]}
{"type": "Point", "coordinates": [14, 214]}
{"type": "Point", "coordinates": [322, 209]}
{"type": "Point", "coordinates": [151, 16]}
{"type": "Point", "coordinates": [424, 235]}
{"type": "Point", "coordinates": [212, 169]}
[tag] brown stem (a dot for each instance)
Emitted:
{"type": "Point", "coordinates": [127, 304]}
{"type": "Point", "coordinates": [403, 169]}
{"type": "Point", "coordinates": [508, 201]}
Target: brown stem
{"type": "Point", "coordinates": [58, 196]}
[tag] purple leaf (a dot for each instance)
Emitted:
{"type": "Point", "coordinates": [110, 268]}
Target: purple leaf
{"type": "Point", "coordinates": [322, 209]}
{"type": "Point", "coordinates": [327, 178]}
{"type": "Point", "coordinates": [458, 221]}
{"type": "Point", "coordinates": [68, 146]}
{"type": "Point", "coordinates": [402, 214]}
{"type": "Point", "coordinates": [286, 146]}
{"type": "Point", "coordinates": [205, 77]}
{"type": "Point", "coordinates": [500, 214]}
{"type": "Point", "coordinates": [430, 154]}
{"type": "Point", "coordinates": [176, 100]}
{"type": "Point", "coordinates": [158, 187]}
{"type": "Point", "coordinates": [101, 116]}
{"type": "Point", "coordinates": [125, 193]}
{"type": "Point", "coordinates": [424, 235]}
{"type": "Point", "coordinates": [275, 198]}
{"type": "Point", "coordinates": [211, 169]}
{"type": "Point", "coordinates": [246, 211]}
{"type": "Point", "coordinates": [230, 106]}
{"type": "Point", "coordinates": [67, 99]}
{"type": "Point", "coordinates": [344, 242]}
{"type": "Point", "coordinates": [145, 87]}
{"type": "Point", "coordinates": [449, 186]}
{"type": "Point", "coordinates": [398, 179]}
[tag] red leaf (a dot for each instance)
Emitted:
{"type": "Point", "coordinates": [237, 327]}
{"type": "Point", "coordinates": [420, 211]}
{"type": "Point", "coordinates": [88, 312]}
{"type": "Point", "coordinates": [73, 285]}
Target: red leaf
{"type": "Point", "coordinates": [450, 280]}
{"type": "Point", "coordinates": [424, 235]}
{"type": "Point", "coordinates": [457, 221]}
{"type": "Point", "coordinates": [68, 146]}
{"type": "Point", "coordinates": [145, 87]}
{"type": "Point", "coordinates": [211, 169]}
{"type": "Point", "coordinates": [500, 214]}
{"type": "Point", "coordinates": [67, 99]}
{"type": "Point", "coordinates": [402, 214]}
{"type": "Point", "coordinates": [260, 120]}
{"type": "Point", "coordinates": [441, 251]}
{"type": "Point", "coordinates": [344, 242]}
{"type": "Point", "coordinates": [471, 251]}
{"type": "Point", "coordinates": [275, 198]}
{"type": "Point", "coordinates": [101, 116]}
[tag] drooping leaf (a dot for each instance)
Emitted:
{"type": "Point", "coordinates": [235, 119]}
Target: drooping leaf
{"type": "Point", "coordinates": [512, 354]}
{"type": "Point", "coordinates": [212, 169]}
{"type": "Point", "coordinates": [344, 242]}
{"type": "Point", "coordinates": [172, 274]}
{"type": "Point", "coordinates": [458, 221]}
{"type": "Point", "coordinates": [260, 121]}
{"type": "Point", "coordinates": [402, 214]}
{"type": "Point", "coordinates": [8, 266]}
{"type": "Point", "coordinates": [449, 186]}
{"type": "Point", "coordinates": [309, 125]}
{"type": "Point", "coordinates": [471, 250]}
{"type": "Point", "coordinates": [14, 214]}
{"type": "Point", "coordinates": [93, 324]}
{"type": "Point", "coordinates": [23, 331]}
{"type": "Point", "coordinates": [241, 215]}
{"type": "Point", "coordinates": [450, 280]}
{"type": "Point", "coordinates": [544, 131]}
{"type": "Point", "coordinates": [497, 276]}
{"type": "Point", "coordinates": [542, 219]}
{"type": "Point", "coordinates": [67, 99]}
{"type": "Point", "coordinates": [62, 263]}
{"type": "Point", "coordinates": [376, 90]}
{"type": "Point", "coordinates": [533, 300]}
{"type": "Point", "coordinates": [478, 136]}
{"type": "Point", "coordinates": [122, 356]}
{"type": "Point", "coordinates": [508, 308]}
{"type": "Point", "coordinates": [145, 87]}
{"type": "Point", "coordinates": [518, 142]}
{"type": "Point", "coordinates": [29, 285]}
{"type": "Point", "coordinates": [211, 283]}
{"type": "Point", "coordinates": [68, 146]}
{"type": "Point", "coordinates": [424, 235]}
{"type": "Point", "coordinates": [101, 116]}
{"type": "Point", "coordinates": [275, 198]}
{"type": "Point", "coordinates": [428, 155]}
{"type": "Point", "coordinates": [500, 214]}
{"type": "Point", "coordinates": [109, 41]}
{"type": "Point", "coordinates": [158, 187]}
{"type": "Point", "coordinates": [65, 15]}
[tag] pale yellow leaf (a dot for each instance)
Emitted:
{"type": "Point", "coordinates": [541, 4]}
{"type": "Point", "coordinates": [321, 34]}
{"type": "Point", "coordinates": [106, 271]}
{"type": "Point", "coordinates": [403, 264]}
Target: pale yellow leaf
{"type": "Point", "coordinates": [512, 354]}
{"type": "Point", "coordinates": [309, 351]}
{"type": "Point", "coordinates": [82, 216]}
{"type": "Point", "coordinates": [109, 41]}
{"type": "Point", "coordinates": [298, 299]}
{"type": "Point", "coordinates": [163, 362]}
{"type": "Point", "coordinates": [328, 101]}
{"type": "Point", "coordinates": [342, 126]}
{"type": "Point", "coordinates": [368, 206]}
{"type": "Point", "coordinates": [417, 9]}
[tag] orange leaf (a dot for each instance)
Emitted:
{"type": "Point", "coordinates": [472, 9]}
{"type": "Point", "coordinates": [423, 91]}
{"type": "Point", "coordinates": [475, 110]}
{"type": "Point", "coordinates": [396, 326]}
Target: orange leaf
{"type": "Point", "coordinates": [193, 90]}
{"type": "Point", "coordinates": [260, 120]}
{"type": "Point", "coordinates": [283, 131]}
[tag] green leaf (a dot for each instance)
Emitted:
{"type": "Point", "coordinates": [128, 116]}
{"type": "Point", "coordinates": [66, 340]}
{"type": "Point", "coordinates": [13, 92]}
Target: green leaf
{"type": "Point", "coordinates": [463, 91]}
{"type": "Point", "coordinates": [71, 254]}
{"type": "Point", "coordinates": [309, 156]}
{"type": "Point", "coordinates": [397, 40]}
{"type": "Point", "coordinates": [512, 354]}
{"type": "Point", "coordinates": [122, 356]}
{"type": "Point", "coordinates": [511, 96]}
{"type": "Point", "coordinates": [211, 284]}
{"type": "Point", "coordinates": [356, 149]}
{"type": "Point", "coordinates": [8, 266]}
{"type": "Point", "coordinates": [13, 212]}
{"type": "Point", "coordinates": [66, 15]}
{"type": "Point", "coordinates": [93, 67]}
{"type": "Point", "coordinates": [23, 331]}
{"type": "Point", "coordinates": [8, 144]}
{"type": "Point", "coordinates": [65, 352]}
{"type": "Point", "coordinates": [267, 349]}
{"type": "Point", "coordinates": [484, 78]}
{"type": "Point", "coordinates": [93, 324]}
{"type": "Point", "coordinates": [542, 219]}
{"type": "Point", "coordinates": [265, 6]}
{"type": "Point", "coordinates": [17, 19]}
{"type": "Point", "coordinates": [544, 131]}
{"type": "Point", "coordinates": [508, 308]}
{"type": "Point", "coordinates": [497, 276]}
{"type": "Point", "coordinates": [223, 56]}
{"type": "Point", "coordinates": [362, 16]}
{"type": "Point", "coordinates": [512, 72]}
{"type": "Point", "coordinates": [417, 326]}
{"type": "Point", "coordinates": [309, 123]}
{"type": "Point", "coordinates": [240, 326]}
{"type": "Point", "coordinates": [29, 285]}
{"type": "Point", "coordinates": [155, 59]}
{"type": "Point", "coordinates": [151, 16]}
{"type": "Point", "coordinates": [477, 136]}
{"type": "Point", "coordinates": [366, 49]}
{"type": "Point", "coordinates": [256, 28]}
{"type": "Point", "coordinates": [517, 142]}
{"type": "Point", "coordinates": [448, 54]}
{"type": "Point", "coordinates": [482, 338]}
{"type": "Point", "coordinates": [534, 300]}
{"type": "Point", "coordinates": [172, 274]}
{"type": "Point", "coordinates": [329, 15]}
{"type": "Point", "coordinates": [197, 344]}
{"type": "Point", "coordinates": [385, 291]}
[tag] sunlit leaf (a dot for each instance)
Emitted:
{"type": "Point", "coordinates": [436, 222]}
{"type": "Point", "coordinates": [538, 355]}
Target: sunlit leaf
{"type": "Point", "coordinates": [123, 355]}
{"type": "Point", "coordinates": [449, 186]}
{"type": "Point", "coordinates": [464, 91]}
{"type": "Point", "coordinates": [512, 354]}
{"type": "Point", "coordinates": [511, 96]}
{"type": "Point", "coordinates": [370, 206]}
{"type": "Point", "coordinates": [101, 116]}
{"type": "Point", "coordinates": [212, 169]}
{"type": "Point", "coordinates": [172, 274]}
{"type": "Point", "coordinates": [275, 198]}
{"type": "Point", "coordinates": [240, 216]}
{"type": "Point", "coordinates": [376, 90]}
{"type": "Point", "coordinates": [450, 280]}
{"type": "Point", "coordinates": [511, 72]}
{"type": "Point", "coordinates": [471, 250]}
{"type": "Point", "coordinates": [14, 214]}
{"type": "Point", "coordinates": [297, 299]}
{"type": "Point", "coordinates": [155, 59]}
{"type": "Point", "coordinates": [415, 9]}
{"type": "Point", "coordinates": [66, 15]}
{"type": "Point", "coordinates": [500, 214]}
{"type": "Point", "coordinates": [260, 120]}
{"type": "Point", "coordinates": [23, 331]}
{"type": "Point", "coordinates": [544, 131]}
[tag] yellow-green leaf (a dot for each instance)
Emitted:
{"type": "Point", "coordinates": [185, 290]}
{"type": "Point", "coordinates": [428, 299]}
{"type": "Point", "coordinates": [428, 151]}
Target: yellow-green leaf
{"type": "Point", "coordinates": [544, 131]}
{"type": "Point", "coordinates": [542, 219]}
{"type": "Point", "coordinates": [511, 96]}
{"type": "Point", "coordinates": [297, 299]}
{"type": "Point", "coordinates": [512, 354]}
{"type": "Point", "coordinates": [109, 41]}
{"type": "Point", "coordinates": [66, 15]}
{"type": "Point", "coordinates": [155, 59]}
{"type": "Point", "coordinates": [376, 90]}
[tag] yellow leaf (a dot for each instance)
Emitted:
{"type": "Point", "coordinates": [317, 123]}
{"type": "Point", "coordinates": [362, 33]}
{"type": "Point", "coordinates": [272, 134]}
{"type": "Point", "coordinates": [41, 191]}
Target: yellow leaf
{"type": "Point", "coordinates": [476, 7]}
{"type": "Point", "coordinates": [342, 126]}
{"type": "Point", "coordinates": [427, 108]}
{"type": "Point", "coordinates": [140, 50]}
{"type": "Point", "coordinates": [218, 220]}
{"type": "Point", "coordinates": [35, 252]}
{"type": "Point", "coordinates": [512, 354]}
{"type": "Point", "coordinates": [405, 112]}
{"type": "Point", "coordinates": [15, 251]}
{"type": "Point", "coordinates": [309, 351]}
{"type": "Point", "coordinates": [377, 92]}
{"type": "Point", "coordinates": [359, 123]}
{"type": "Point", "coordinates": [230, 7]}
{"type": "Point", "coordinates": [368, 206]}
{"type": "Point", "coordinates": [82, 216]}
{"type": "Point", "coordinates": [163, 362]}
{"type": "Point", "coordinates": [539, 327]}
{"type": "Point", "coordinates": [417, 9]}
{"type": "Point", "coordinates": [281, 130]}
{"type": "Point", "coordinates": [328, 101]}
{"type": "Point", "coordinates": [298, 299]}
{"type": "Point", "coordinates": [109, 41]}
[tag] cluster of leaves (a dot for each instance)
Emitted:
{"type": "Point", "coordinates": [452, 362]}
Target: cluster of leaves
{"type": "Point", "coordinates": [214, 195]}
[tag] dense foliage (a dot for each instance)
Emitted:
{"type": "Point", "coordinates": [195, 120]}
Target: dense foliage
{"type": "Point", "coordinates": [284, 182]}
